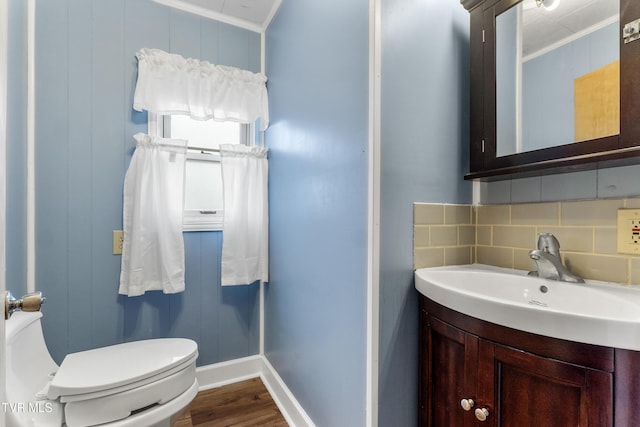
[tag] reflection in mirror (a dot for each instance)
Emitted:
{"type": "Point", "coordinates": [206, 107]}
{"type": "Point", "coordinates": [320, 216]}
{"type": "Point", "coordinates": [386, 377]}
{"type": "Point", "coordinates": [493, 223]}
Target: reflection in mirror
{"type": "Point", "coordinates": [557, 73]}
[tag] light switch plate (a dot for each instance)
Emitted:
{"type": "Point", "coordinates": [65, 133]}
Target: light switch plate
{"type": "Point", "coordinates": [629, 231]}
{"type": "Point", "coordinates": [118, 239]}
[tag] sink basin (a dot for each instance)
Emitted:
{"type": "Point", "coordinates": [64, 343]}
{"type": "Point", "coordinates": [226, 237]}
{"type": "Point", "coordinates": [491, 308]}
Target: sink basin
{"type": "Point", "coordinates": [595, 312]}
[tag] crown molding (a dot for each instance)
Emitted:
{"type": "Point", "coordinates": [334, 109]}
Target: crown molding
{"type": "Point", "coordinates": [258, 27]}
{"type": "Point", "coordinates": [471, 4]}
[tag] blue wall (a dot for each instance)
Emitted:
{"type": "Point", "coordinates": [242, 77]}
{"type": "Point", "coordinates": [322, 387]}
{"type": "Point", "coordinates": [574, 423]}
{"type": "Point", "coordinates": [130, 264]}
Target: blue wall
{"type": "Point", "coordinates": [315, 304]}
{"type": "Point", "coordinates": [425, 121]}
{"type": "Point", "coordinates": [85, 76]}
{"type": "Point", "coordinates": [315, 301]}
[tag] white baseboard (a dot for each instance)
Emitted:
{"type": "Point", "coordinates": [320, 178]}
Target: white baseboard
{"type": "Point", "coordinates": [232, 371]}
{"type": "Point", "coordinates": [286, 401]}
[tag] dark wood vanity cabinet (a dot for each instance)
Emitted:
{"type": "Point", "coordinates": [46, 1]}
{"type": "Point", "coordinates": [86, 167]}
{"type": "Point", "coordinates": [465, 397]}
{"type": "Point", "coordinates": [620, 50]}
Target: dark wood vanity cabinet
{"type": "Point", "coordinates": [529, 390]}
{"type": "Point", "coordinates": [448, 373]}
{"type": "Point", "coordinates": [521, 379]}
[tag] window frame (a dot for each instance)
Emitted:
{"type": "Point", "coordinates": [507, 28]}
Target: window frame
{"type": "Point", "coordinates": [194, 220]}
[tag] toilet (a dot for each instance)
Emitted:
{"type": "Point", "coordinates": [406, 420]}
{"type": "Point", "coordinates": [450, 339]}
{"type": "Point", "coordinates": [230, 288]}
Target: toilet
{"type": "Point", "coordinates": [136, 384]}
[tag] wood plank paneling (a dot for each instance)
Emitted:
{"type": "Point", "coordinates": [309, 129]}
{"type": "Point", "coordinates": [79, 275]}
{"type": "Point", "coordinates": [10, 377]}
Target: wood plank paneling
{"type": "Point", "coordinates": [52, 164]}
{"type": "Point", "coordinates": [146, 25]}
{"type": "Point", "coordinates": [185, 34]}
{"type": "Point", "coordinates": [209, 41]}
{"type": "Point", "coordinates": [107, 170]}
{"type": "Point", "coordinates": [79, 174]}
{"type": "Point", "coordinates": [209, 267]}
{"type": "Point", "coordinates": [86, 73]}
{"type": "Point", "coordinates": [233, 48]}
{"type": "Point", "coordinates": [183, 319]}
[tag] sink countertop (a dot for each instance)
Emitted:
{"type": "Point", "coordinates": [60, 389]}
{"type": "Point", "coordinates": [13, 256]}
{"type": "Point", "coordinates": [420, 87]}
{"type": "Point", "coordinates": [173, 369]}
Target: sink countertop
{"type": "Point", "coordinates": [595, 312]}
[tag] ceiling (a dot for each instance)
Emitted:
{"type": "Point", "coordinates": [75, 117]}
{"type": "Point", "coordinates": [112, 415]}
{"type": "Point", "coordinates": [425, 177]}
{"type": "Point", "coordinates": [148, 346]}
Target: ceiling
{"type": "Point", "coordinates": [542, 28]}
{"type": "Point", "coordinates": [253, 15]}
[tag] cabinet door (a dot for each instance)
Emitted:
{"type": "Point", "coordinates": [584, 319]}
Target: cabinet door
{"type": "Point", "coordinates": [448, 374]}
{"type": "Point", "coordinates": [532, 391]}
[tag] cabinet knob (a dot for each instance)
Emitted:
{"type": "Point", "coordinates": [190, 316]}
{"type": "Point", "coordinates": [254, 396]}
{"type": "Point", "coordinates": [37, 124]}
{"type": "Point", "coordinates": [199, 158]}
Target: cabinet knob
{"type": "Point", "coordinates": [467, 404]}
{"type": "Point", "coordinates": [482, 414]}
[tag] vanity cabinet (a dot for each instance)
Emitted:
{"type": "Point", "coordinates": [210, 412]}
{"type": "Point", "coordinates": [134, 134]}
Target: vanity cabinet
{"type": "Point", "coordinates": [520, 379]}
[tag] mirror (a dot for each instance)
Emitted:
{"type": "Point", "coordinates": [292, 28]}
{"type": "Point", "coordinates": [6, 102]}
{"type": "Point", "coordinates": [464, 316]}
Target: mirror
{"type": "Point", "coordinates": [557, 73]}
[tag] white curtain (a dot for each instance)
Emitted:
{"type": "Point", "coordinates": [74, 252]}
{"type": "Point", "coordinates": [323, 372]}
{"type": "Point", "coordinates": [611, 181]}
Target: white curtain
{"type": "Point", "coordinates": [153, 247]}
{"type": "Point", "coordinates": [245, 256]}
{"type": "Point", "coordinates": [170, 84]}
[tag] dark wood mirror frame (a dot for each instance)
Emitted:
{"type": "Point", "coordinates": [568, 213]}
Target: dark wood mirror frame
{"type": "Point", "coordinates": [618, 150]}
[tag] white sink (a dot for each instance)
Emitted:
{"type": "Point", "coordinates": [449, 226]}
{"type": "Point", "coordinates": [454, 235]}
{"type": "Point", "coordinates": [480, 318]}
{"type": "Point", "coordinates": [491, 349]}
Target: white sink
{"type": "Point", "coordinates": [594, 312]}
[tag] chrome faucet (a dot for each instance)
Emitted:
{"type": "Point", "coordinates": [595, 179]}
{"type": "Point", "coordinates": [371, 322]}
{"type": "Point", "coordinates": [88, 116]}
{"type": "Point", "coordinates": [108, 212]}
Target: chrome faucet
{"type": "Point", "coordinates": [548, 261]}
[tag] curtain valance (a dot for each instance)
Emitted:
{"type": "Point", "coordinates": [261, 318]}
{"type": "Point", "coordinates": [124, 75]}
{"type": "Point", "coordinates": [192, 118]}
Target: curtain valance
{"type": "Point", "coordinates": [171, 84]}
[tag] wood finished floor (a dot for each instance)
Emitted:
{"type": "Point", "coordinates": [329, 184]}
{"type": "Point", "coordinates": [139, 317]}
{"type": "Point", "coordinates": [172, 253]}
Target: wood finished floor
{"type": "Point", "coordinates": [242, 404]}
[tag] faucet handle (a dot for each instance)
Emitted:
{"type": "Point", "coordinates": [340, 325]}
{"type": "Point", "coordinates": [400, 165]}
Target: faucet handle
{"type": "Point", "coordinates": [547, 242]}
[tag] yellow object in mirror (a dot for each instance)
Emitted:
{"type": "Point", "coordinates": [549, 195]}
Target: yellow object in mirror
{"type": "Point", "coordinates": [597, 103]}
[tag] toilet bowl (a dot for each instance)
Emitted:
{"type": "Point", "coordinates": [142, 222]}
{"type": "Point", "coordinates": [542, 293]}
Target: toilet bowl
{"type": "Point", "coordinates": [136, 384]}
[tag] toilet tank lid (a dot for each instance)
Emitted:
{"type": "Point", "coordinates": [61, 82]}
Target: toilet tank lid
{"type": "Point", "coordinates": [117, 365]}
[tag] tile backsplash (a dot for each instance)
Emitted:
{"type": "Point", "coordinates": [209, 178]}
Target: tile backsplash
{"type": "Point", "coordinates": [443, 235]}
{"type": "Point", "coordinates": [503, 235]}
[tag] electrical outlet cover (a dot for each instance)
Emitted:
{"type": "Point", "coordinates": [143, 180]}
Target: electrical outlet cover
{"type": "Point", "coordinates": [118, 238]}
{"type": "Point", "coordinates": [629, 231]}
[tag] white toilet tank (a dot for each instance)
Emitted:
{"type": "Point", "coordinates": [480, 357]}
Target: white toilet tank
{"type": "Point", "coordinates": [28, 370]}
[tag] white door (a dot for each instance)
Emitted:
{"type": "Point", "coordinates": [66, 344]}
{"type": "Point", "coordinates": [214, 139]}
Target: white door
{"type": "Point", "coordinates": [3, 144]}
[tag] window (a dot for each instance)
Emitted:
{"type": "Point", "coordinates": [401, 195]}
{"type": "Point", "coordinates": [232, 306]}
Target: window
{"type": "Point", "coordinates": [203, 203]}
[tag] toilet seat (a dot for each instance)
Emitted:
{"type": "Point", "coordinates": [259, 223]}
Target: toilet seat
{"type": "Point", "coordinates": [108, 384]}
